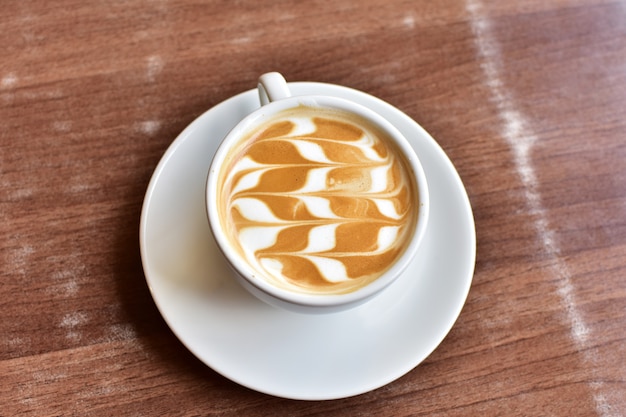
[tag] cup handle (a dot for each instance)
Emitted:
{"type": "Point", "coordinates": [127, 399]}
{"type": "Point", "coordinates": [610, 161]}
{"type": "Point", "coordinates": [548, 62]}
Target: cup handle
{"type": "Point", "coordinates": [272, 86]}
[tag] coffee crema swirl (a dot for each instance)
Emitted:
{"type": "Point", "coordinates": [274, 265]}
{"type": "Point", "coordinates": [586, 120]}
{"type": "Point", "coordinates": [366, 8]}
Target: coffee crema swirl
{"type": "Point", "coordinates": [317, 201]}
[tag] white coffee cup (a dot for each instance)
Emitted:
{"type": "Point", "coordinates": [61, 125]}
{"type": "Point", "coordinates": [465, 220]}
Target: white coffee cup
{"type": "Point", "coordinates": [262, 228]}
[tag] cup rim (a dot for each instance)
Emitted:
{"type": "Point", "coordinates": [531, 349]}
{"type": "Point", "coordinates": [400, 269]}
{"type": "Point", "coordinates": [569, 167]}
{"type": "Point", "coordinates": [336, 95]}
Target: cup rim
{"type": "Point", "coordinates": [249, 274]}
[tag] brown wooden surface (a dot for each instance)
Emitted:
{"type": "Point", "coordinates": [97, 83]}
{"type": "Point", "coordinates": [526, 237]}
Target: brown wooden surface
{"type": "Point", "coordinates": [528, 99]}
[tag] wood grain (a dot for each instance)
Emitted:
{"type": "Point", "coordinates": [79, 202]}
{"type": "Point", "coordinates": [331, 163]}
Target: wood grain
{"type": "Point", "coordinates": [528, 99]}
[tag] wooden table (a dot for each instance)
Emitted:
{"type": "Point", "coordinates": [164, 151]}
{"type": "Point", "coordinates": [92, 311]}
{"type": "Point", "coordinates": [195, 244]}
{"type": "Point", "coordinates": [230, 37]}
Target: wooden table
{"type": "Point", "coordinates": [527, 98]}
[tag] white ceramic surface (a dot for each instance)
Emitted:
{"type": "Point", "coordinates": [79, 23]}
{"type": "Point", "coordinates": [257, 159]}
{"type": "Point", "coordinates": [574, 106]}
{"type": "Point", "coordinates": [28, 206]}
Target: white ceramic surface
{"type": "Point", "coordinates": [288, 354]}
{"type": "Point", "coordinates": [249, 276]}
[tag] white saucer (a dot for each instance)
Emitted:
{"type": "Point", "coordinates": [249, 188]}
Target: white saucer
{"type": "Point", "coordinates": [288, 354]}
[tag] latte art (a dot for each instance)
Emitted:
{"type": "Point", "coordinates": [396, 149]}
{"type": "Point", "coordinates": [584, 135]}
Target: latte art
{"type": "Point", "coordinates": [317, 201]}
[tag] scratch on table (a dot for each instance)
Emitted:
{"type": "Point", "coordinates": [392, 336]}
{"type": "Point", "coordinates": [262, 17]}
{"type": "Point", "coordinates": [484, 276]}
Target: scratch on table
{"type": "Point", "coordinates": [72, 322]}
{"type": "Point", "coordinates": [120, 332]}
{"type": "Point", "coordinates": [409, 21]}
{"type": "Point", "coordinates": [242, 40]}
{"type": "Point", "coordinates": [521, 139]}
{"type": "Point", "coordinates": [9, 81]}
{"type": "Point", "coordinates": [66, 283]}
{"type": "Point", "coordinates": [20, 193]}
{"type": "Point", "coordinates": [54, 94]}
{"type": "Point", "coordinates": [154, 66]}
{"type": "Point", "coordinates": [149, 127]}
{"type": "Point", "coordinates": [62, 126]}
{"type": "Point", "coordinates": [19, 258]}
{"type": "Point", "coordinates": [7, 85]}
{"type": "Point", "coordinates": [80, 187]}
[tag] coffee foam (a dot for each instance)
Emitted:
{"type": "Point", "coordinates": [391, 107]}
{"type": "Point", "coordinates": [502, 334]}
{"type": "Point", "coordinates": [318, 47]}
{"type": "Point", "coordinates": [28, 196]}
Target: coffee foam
{"type": "Point", "coordinates": [317, 201]}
